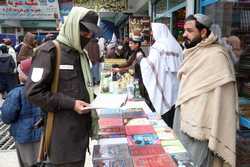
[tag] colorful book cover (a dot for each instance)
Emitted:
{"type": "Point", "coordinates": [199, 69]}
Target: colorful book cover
{"type": "Point", "coordinates": [175, 142]}
{"type": "Point", "coordinates": [113, 163]}
{"type": "Point", "coordinates": [138, 129]}
{"type": "Point", "coordinates": [136, 121]}
{"type": "Point", "coordinates": [173, 146]}
{"type": "Point", "coordinates": [174, 149]}
{"type": "Point", "coordinates": [154, 161]}
{"type": "Point", "coordinates": [136, 114]}
{"type": "Point", "coordinates": [144, 139]}
{"type": "Point", "coordinates": [146, 150]}
{"type": "Point", "coordinates": [163, 135]}
{"type": "Point", "coordinates": [110, 122]}
{"type": "Point", "coordinates": [106, 141]}
{"type": "Point", "coordinates": [114, 151]}
{"type": "Point", "coordinates": [112, 130]}
{"type": "Point", "coordinates": [162, 129]}
{"type": "Point", "coordinates": [104, 136]}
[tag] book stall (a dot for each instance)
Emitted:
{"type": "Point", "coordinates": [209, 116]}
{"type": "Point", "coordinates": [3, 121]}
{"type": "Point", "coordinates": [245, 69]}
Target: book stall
{"type": "Point", "coordinates": [130, 134]}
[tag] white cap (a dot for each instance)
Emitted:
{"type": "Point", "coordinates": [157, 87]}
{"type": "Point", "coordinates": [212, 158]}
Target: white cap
{"type": "Point", "coordinates": [203, 19]}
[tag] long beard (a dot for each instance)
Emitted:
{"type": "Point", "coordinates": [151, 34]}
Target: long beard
{"type": "Point", "coordinates": [189, 44]}
{"type": "Point", "coordinates": [84, 42]}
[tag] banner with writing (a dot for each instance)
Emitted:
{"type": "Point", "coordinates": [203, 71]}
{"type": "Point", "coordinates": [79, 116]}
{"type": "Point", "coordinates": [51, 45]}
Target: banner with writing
{"type": "Point", "coordinates": [140, 26]}
{"type": "Point", "coordinates": [29, 9]}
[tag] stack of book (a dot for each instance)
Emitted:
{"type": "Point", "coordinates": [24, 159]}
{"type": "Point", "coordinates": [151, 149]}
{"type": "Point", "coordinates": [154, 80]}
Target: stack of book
{"type": "Point", "coordinates": [128, 138]}
{"type": "Point", "coordinates": [111, 124]}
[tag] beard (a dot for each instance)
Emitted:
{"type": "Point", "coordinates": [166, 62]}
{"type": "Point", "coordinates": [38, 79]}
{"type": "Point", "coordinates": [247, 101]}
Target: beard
{"type": "Point", "coordinates": [84, 42]}
{"type": "Point", "coordinates": [192, 43]}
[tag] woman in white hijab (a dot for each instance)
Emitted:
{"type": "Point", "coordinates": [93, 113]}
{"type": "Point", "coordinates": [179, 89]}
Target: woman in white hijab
{"type": "Point", "coordinates": [159, 71]}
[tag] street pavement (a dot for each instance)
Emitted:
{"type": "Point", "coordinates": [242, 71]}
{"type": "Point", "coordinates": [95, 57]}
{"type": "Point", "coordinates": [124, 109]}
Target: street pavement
{"type": "Point", "coordinates": [9, 158]}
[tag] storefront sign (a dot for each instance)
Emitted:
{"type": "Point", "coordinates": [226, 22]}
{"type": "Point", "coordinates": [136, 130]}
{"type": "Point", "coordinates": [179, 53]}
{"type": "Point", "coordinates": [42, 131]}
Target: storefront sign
{"type": "Point", "coordinates": [104, 5]}
{"type": "Point", "coordinates": [29, 10]}
{"type": "Point", "coordinates": [140, 26]}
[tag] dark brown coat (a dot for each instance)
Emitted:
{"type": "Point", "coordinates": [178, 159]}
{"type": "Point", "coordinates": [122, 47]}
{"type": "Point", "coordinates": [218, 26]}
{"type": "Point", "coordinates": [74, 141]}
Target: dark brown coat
{"type": "Point", "coordinates": [71, 130]}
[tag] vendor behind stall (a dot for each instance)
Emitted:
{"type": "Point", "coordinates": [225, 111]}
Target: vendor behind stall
{"type": "Point", "coordinates": [134, 62]}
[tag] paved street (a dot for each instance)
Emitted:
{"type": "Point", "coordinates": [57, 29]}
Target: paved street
{"type": "Point", "coordinates": [9, 159]}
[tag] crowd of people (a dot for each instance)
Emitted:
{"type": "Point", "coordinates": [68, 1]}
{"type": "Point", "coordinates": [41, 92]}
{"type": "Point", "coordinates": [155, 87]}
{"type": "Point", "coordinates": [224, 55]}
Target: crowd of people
{"type": "Point", "coordinates": [192, 86]}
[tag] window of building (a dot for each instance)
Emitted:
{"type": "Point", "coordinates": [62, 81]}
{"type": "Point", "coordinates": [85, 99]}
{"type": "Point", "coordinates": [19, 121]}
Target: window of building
{"type": "Point", "coordinates": [161, 6]}
{"type": "Point", "coordinates": [9, 30]}
{"type": "Point", "coordinates": [173, 3]}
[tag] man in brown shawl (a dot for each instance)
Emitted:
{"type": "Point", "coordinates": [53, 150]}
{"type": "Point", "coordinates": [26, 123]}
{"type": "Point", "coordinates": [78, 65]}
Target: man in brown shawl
{"type": "Point", "coordinates": [205, 120]}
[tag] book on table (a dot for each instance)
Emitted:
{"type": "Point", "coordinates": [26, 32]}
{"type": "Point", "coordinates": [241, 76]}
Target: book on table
{"type": "Point", "coordinates": [163, 160]}
{"type": "Point", "coordinates": [107, 141]}
{"type": "Point", "coordinates": [154, 149]}
{"type": "Point", "coordinates": [110, 122]}
{"type": "Point", "coordinates": [113, 163]}
{"type": "Point", "coordinates": [135, 121]}
{"type": "Point", "coordinates": [139, 129]}
{"type": "Point", "coordinates": [143, 139]}
{"type": "Point", "coordinates": [112, 130]}
{"type": "Point", "coordinates": [110, 113]}
{"type": "Point", "coordinates": [112, 151]}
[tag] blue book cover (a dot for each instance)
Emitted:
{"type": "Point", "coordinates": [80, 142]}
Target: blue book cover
{"type": "Point", "coordinates": [143, 139]}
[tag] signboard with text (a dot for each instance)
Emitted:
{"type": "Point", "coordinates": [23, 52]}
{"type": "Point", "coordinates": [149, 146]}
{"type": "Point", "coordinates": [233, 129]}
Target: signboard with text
{"type": "Point", "coordinates": [140, 25]}
{"type": "Point", "coordinates": [29, 9]}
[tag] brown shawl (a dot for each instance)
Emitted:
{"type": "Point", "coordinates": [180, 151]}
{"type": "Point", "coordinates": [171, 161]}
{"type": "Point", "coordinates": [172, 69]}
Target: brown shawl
{"type": "Point", "coordinates": [27, 47]}
{"type": "Point", "coordinates": [208, 97]}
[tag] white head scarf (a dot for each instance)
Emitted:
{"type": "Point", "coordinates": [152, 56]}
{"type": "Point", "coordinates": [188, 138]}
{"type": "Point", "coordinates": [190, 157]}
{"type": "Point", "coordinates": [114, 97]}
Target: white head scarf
{"type": "Point", "coordinates": [166, 43]}
{"type": "Point", "coordinates": [164, 40]}
{"type": "Point", "coordinates": [160, 68]}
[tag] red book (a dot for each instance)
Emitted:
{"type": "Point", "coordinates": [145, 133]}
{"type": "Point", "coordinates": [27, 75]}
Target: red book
{"type": "Point", "coordinates": [112, 130]}
{"type": "Point", "coordinates": [154, 149]}
{"type": "Point", "coordinates": [110, 122]}
{"type": "Point", "coordinates": [139, 129]}
{"type": "Point", "coordinates": [163, 160]}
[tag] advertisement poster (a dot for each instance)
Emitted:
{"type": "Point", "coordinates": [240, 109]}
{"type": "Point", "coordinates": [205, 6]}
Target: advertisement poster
{"type": "Point", "coordinates": [140, 26]}
{"type": "Point", "coordinates": [29, 9]}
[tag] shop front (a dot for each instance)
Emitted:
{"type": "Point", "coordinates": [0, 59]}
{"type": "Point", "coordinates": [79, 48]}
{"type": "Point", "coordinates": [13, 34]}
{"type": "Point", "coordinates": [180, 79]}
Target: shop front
{"type": "Point", "coordinates": [232, 25]}
{"type": "Point", "coordinates": [172, 13]}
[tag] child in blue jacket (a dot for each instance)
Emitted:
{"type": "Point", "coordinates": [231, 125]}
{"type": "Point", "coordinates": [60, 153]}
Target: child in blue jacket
{"type": "Point", "coordinates": [22, 116]}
